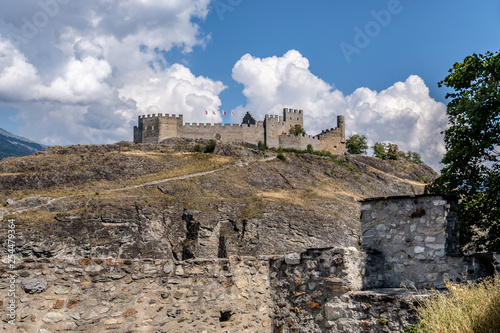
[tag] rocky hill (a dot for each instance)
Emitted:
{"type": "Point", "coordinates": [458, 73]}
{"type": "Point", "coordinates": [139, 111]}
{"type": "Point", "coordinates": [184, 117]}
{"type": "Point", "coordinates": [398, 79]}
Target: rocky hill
{"type": "Point", "coordinates": [163, 201]}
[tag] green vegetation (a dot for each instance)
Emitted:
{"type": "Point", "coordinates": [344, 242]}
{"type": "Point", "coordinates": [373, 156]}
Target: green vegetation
{"type": "Point", "coordinates": [471, 163]}
{"type": "Point", "coordinates": [356, 144]}
{"type": "Point", "coordinates": [390, 151]}
{"type": "Point", "coordinates": [197, 149]}
{"type": "Point", "coordinates": [465, 308]}
{"type": "Point", "coordinates": [297, 130]}
{"type": "Point", "coordinates": [210, 147]}
{"type": "Point", "coordinates": [382, 321]}
{"type": "Point", "coordinates": [280, 155]}
{"type": "Point", "coordinates": [262, 146]}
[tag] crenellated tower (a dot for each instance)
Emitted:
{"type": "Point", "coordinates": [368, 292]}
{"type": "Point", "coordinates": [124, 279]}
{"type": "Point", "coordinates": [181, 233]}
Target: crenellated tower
{"type": "Point", "coordinates": [293, 117]}
{"type": "Point", "coordinates": [155, 128]}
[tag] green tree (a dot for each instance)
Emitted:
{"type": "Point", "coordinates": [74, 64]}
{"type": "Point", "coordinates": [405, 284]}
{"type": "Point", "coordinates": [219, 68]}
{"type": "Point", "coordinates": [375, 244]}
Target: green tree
{"type": "Point", "coordinates": [471, 163]}
{"type": "Point", "coordinates": [393, 152]}
{"type": "Point", "coordinates": [390, 151]}
{"type": "Point", "coordinates": [379, 150]}
{"type": "Point", "coordinates": [413, 157]}
{"type": "Point", "coordinates": [356, 144]}
{"type": "Point", "coordinates": [297, 130]}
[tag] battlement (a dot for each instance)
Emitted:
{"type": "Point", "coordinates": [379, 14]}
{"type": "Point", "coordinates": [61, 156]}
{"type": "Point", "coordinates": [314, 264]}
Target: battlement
{"type": "Point", "coordinates": [292, 111]}
{"type": "Point", "coordinates": [160, 115]}
{"type": "Point", "coordinates": [274, 116]}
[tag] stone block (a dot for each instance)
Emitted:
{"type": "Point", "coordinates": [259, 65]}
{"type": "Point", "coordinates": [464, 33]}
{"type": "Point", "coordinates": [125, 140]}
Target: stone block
{"type": "Point", "coordinates": [292, 259]}
{"type": "Point", "coordinates": [34, 286]}
{"type": "Point", "coordinates": [334, 311]}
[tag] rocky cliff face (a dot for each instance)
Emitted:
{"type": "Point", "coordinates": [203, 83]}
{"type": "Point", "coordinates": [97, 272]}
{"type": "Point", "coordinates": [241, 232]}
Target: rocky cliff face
{"type": "Point", "coordinates": [161, 201]}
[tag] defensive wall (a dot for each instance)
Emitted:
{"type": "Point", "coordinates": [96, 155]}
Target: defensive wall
{"type": "Point", "coordinates": [274, 131]}
{"type": "Point", "coordinates": [410, 240]}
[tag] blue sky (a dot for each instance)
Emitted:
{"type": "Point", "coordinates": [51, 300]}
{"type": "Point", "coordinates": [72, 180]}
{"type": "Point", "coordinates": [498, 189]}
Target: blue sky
{"type": "Point", "coordinates": [81, 72]}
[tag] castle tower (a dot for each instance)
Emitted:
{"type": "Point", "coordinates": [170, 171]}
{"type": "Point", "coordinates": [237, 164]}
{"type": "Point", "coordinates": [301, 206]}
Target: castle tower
{"type": "Point", "coordinates": [292, 117]}
{"type": "Point", "coordinates": [155, 128]}
{"type": "Point", "coordinates": [341, 127]}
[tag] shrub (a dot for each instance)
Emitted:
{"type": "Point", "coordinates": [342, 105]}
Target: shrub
{"type": "Point", "coordinates": [297, 130]}
{"type": "Point", "coordinates": [210, 147]}
{"type": "Point", "coordinates": [280, 155]}
{"type": "Point", "coordinates": [466, 308]}
{"type": "Point", "coordinates": [262, 146]}
{"type": "Point", "coordinates": [197, 149]}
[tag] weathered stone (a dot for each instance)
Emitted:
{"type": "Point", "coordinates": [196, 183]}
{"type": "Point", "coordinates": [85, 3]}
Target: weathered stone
{"type": "Point", "coordinates": [84, 261]}
{"type": "Point", "coordinates": [34, 285]}
{"type": "Point", "coordinates": [334, 311]}
{"type": "Point", "coordinates": [72, 303]}
{"type": "Point", "coordinates": [61, 290]}
{"type": "Point", "coordinates": [292, 259]}
{"type": "Point", "coordinates": [129, 312]}
{"type": "Point", "coordinates": [93, 268]}
{"type": "Point", "coordinates": [53, 317]}
{"type": "Point", "coordinates": [113, 322]}
{"type": "Point", "coordinates": [168, 267]}
{"type": "Point", "coordinates": [59, 304]}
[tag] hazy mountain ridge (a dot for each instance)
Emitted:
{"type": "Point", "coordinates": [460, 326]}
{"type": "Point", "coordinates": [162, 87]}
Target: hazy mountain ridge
{"type": "Point", "coordinates": [12, 145]}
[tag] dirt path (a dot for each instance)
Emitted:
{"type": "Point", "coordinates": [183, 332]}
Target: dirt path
{"type": "Point", "coordinates": [22, 209]}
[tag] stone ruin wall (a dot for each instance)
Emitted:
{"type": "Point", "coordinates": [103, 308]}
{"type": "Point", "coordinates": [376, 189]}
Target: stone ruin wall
{"type": "Point", "coordinates": [114, 295]}
{"type": "Point", "coordinates": [414, 240]}
{"type": "Point", "coordinates": [319, 290]}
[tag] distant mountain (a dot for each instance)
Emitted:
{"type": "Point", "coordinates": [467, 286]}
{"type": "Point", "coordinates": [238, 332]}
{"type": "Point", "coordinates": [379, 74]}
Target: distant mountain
{"type": "Point", "coordinates": [13, 145]}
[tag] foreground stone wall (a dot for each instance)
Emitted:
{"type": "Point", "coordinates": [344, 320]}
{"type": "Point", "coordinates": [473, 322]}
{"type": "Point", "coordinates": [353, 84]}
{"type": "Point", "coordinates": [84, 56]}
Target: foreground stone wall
{"type": "Point", "coordinates": [414, 241]}
{"type": "Point", "coordinates": [107, 295]}
{"type": "Point", "coordinates": [405, 239]}
{"type": "Point", "coordinates": [320, 291]}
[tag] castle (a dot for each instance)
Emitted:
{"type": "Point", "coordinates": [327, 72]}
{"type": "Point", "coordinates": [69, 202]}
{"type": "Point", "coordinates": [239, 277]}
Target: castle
{"type": "Point", "coordinates": [274, 131]}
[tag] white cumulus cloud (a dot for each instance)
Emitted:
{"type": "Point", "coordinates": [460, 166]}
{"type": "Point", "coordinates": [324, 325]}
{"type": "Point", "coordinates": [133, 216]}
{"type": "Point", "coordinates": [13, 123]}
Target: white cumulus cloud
{"type": "Point", "coordinates": [82, 71]}
{"type": "Point", "coordinates": [404, 113]}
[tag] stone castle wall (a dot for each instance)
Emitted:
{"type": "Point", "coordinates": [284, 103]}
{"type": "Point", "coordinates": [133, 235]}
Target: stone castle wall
{"type": "Point", "coordinates": [226, 133]}
{"type": "Point", "coordinates": [273, 131]}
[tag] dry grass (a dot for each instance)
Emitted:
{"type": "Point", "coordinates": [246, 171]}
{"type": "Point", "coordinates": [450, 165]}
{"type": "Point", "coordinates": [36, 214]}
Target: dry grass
{"type": "Point", "coordinates": [187, 164]}
{"type": "Point", "coordinates": [466, 308]}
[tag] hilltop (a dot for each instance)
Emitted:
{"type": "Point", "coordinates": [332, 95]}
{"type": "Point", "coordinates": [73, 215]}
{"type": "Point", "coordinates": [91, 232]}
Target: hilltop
{"type": "Point", "coordinates": [164, 201]}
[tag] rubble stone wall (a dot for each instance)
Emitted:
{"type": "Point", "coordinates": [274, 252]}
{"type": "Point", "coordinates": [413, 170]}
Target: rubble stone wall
{"type": "Point", "coordinates": [108, 295]}
{"type": "Point", "coordinates": [413, 241]}
{"type": "Point", "coordinates": [405, 239]}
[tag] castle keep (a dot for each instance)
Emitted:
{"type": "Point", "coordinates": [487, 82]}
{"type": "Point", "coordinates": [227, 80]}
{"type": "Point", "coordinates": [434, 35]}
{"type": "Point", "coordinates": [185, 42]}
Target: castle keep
{"type": "Point", "coordinates": [274, 131]}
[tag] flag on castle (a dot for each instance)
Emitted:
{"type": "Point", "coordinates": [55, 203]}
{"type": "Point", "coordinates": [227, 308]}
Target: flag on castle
{"type": "Point", "coordinates": [223, 112]}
